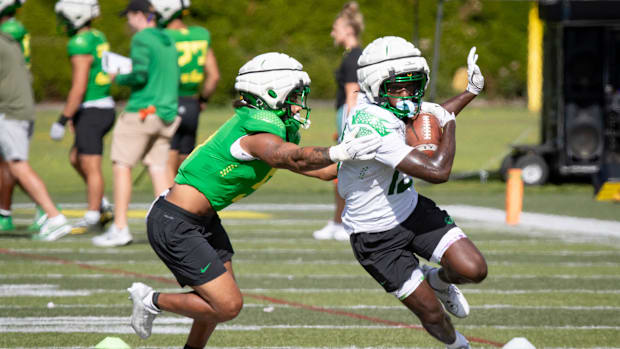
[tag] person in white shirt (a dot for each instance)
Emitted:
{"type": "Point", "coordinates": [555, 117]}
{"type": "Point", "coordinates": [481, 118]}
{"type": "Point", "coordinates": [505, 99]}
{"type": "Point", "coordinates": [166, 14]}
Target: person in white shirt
{"type": "Point", "coordinates": [389, 223]}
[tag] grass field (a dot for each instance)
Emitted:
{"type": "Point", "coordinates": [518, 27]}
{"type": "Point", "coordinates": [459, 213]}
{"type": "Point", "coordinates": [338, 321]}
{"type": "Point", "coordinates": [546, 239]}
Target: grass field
{"type": "Point", "coordinates": [300, 293]}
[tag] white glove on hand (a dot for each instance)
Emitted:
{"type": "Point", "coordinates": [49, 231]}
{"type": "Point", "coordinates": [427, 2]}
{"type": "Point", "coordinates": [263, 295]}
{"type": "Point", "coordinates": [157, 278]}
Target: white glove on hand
{"type": "Point", "coordinates": [440, 113]}
{"type": "Point", "coordinates": [351, 148]}
{"type": "Point", "coordinates": [57, 131]}
{"type": "Point", "coordinates": [475, 80]}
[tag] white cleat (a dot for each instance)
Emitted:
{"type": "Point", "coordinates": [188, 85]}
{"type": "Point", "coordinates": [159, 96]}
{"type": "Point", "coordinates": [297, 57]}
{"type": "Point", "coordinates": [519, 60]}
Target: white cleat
{"type": "Point", "coordinates": [141, 317]}
{"type": "Point", "coordinates": [53, 229]}
{"type": "Point", "coordinates": [113, 237]}
{"type": "Point", "coordinates": [452, 298]}
{"type": "Point", "coordinates": [331, 231]}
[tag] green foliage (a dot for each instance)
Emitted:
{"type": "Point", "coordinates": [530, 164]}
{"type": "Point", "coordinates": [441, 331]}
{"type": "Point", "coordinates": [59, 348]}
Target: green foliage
{"type": "Point", "coordinates": [301, 29]}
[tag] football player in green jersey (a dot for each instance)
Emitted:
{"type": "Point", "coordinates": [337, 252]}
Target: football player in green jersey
{"type": "Point", "coordinates": [183, 226]}
{"type": "Point", "coordinates": [10, 25]}
{"type": "Point", "coordinates": [198, 79]}
{"type": "Point", "coordinates": [89, 106]}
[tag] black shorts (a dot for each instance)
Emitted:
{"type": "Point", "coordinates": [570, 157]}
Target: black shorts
{"type": "Point", "coordinates": [184, 140]}
{"type": "Point", "coordinates": [390, 256]}
{"type": "Point", "coordinates": [194, 248]}
{"type": "Point", "coordinates": [90, 125]}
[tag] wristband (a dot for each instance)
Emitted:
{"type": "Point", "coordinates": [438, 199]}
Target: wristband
{"type": "Point", "coordinates": [63, 119]}
{"type": "Point", "coordinates": [203, 99]}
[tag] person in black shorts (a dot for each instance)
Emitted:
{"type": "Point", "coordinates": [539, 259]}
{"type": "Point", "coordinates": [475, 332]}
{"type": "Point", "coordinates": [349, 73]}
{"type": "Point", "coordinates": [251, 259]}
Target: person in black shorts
{"type": "Point", "coordinates": [89, 107]}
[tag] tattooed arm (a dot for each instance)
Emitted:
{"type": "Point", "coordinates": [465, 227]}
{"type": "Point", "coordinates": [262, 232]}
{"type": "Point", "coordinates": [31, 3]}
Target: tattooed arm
{"type": "Point", "coordinates": [280, 154]}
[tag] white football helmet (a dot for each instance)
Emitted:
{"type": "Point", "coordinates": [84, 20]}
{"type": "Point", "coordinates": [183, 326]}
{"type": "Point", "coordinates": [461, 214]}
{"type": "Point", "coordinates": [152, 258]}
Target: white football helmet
{"type": "Point", "coordinates": [76, 13]}
{"type": "Point", "coordinates": [169, 9]}
{"type": "Point", "coordinates": [272, 77]}
{"type": "Point", "coordinates": [386, 58]}
{"type": "Point", "coordinates": [8, 7]}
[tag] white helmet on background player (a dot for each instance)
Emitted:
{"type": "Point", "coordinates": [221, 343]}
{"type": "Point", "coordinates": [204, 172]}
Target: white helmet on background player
{"type": "Point", "coordinates": [392, 59]}
{"type": "Point", "coordinates": [76, 13]}
{"type": "Point", "coordinates": [168, 10]}
{"type": "Point", "coordinates": [269, 81]}
{"type": "Point", "coordinates": [8, 7]}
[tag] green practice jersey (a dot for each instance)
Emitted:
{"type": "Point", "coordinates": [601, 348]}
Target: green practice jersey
{"type": "Point", "coordinates": [154, 71]}
{"type": "Point", "coordinates": [192, 44]}
{"type": "Point", "coordinates": [14, 28]}
{"type": "Point", "coordinates": [215, 172]}
{"type": "Point", "coordinates": [92, 42]}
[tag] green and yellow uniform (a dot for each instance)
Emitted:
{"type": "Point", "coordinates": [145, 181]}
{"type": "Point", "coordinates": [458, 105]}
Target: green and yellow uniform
{"type": "Point", "coordinates": [16, 29]}
{"type": "Point", "coordinates": [215, 172]}
{"type": "Point", "coordinates": [192, 44]}
{"type": "Point", "coordinates": [92, 42]}
{"type": "Point", "coordinates": [154, 68]}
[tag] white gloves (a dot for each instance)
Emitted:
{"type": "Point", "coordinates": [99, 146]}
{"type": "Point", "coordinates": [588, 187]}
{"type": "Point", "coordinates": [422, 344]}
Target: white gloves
{"type": "Point", "coordinates": [475, 80]}
{"type": "Point", "coordinates": [440, 113]}
{"type": "Point", "coordinates": [351, 148]}
{"type": "Point", "coordinates": [57, 131]}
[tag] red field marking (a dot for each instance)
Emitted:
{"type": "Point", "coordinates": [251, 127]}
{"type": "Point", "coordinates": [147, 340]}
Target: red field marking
{"type": "Point", "coordinates": [255, 296]}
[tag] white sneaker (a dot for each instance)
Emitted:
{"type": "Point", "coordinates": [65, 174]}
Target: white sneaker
{"type": "Point", "coordinates": [325, 233]}
{"type": "Point", "coordinates": [53, 229]}
{"type": "Point", "coordinates": [340, 233]}
{"type": "Point", "coordinates": [142, 316]}
{"type": "Point", "coordinates": [113, 237]}
{"type": "Point", "coordinates": [452, 298]}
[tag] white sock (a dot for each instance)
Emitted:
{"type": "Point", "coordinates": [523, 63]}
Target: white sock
{"type": "Point", "coordinates": [57, 220]}
{"type": "Point", "coordinates": [460, 341]}
{"type": "Point", "coordinates": [435, 281]}
{"type": "Point", "coordinates": [105, 203]}
{"type": "Point", "coordinates": [92, 216]}
{"type": "Point", "coordinates": [148, 303]}
{"type": "Point", "coordinates": [6, 213]}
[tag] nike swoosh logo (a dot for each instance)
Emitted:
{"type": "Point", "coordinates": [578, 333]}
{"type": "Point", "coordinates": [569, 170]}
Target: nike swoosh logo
{"type": "Point", "coordinates": [205, 268]}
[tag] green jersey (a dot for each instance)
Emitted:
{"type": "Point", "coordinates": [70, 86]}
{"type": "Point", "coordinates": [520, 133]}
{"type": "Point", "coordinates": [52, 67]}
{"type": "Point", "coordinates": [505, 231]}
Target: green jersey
{"type": "Point", "coordinates": [154, 69]}
{"type": "Point", "coordinates": [14, 28]}
{"type": "Point", "coordinates": [92, 42]}
{"type": "Point", "coordinates": [214, 171]}
{"type": "Point", "coordinates": [192, 44]}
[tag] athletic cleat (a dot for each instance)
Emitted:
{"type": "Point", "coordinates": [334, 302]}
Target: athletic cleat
{"type": "Point", "coordinates": [82, 226]}
{"type": "Point", "coordinates": [113, 237]}
{"type": "Point", "coordinates": [53, 229]}
{"type": "Point", "coordinates": [452, 298]}
{"type": "Point", "coordinates": [142, 316]}
{"type": "Point", "coordinates": [6, 223]}
{"type": "Point", "coordinates": [331, 231]}
{"type": "Point", "coordinates": [107, 214]}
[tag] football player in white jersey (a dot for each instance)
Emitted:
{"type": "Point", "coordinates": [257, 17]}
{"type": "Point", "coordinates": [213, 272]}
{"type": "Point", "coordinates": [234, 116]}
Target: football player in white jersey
{"type": "Point", "coordinates": [389, 223]}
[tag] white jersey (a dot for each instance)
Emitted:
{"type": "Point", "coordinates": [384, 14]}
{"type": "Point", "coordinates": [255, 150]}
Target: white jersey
{"type": "Point", "coordinates": [378, 197]}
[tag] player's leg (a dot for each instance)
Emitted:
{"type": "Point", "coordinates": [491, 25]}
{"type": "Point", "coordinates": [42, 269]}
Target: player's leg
{"type": "Point", "coordinates": [387, 258]}
{"type": "Point", "coordinates": [436, 234]}
{"type": "Point", "coordinates": [7, 185]}
{"type": "Point", "coordinates": [424, 304]}
{"type": "Point", "coordinates": [129, 141]}
{"type": "Point", "coordinates": [156, 157]}
{"type": "Point", "coordinates": [462, 263]}
{"type": "Point", "coordinates": [184, 139]}
{"type": "Point", "coordinates": [195, 258]}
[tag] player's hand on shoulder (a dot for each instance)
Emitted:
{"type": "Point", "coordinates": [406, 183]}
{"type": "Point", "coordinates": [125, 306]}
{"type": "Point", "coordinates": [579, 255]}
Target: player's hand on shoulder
{"type": "Point", "coordinates": [356, 148]}
{"type": "Point", "coordinates": [440, 113]}
{"type": "Point", "coordinates": [475, 79]}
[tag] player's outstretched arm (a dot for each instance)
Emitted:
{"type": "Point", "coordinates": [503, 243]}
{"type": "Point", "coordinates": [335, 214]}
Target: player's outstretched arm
{"type": "Point", "coordinates": [280, 154]}
{"type": "Point", "coordinates": [327, 173]}
{"type": "Point", "coordinates": [475, 84]}
{"type": "Point", "coordinates": [435, 169]}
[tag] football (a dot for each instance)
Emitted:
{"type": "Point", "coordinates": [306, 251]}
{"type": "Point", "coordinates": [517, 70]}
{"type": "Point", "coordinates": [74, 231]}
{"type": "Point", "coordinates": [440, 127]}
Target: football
{"type": "Point", "coordinates": [423, 133]}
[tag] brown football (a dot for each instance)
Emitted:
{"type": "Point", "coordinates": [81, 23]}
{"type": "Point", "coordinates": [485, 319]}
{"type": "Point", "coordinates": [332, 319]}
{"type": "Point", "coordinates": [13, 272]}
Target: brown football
{"type": "Point", "coordinates": [423, 133]}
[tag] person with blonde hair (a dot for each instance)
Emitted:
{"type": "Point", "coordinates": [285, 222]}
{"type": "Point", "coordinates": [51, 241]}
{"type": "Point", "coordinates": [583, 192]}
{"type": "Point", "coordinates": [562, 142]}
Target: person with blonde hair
{"type": "Point", "coordinates": [346, 31]}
